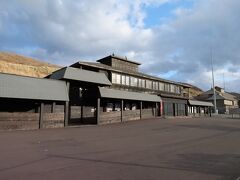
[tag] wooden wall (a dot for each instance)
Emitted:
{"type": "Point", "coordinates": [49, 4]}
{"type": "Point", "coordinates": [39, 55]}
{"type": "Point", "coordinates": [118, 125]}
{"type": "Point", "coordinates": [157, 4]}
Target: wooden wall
{"type": "Point", "coordinates": [52, 118]}
{"type": "Point", "coordinates": [148, 113]}
{"type": "Point", "coordinates": [130, 115]}
{"type": "Point", "coordinates": [19, 120]}
{"type": "Point", "coordinates": [110, 117]}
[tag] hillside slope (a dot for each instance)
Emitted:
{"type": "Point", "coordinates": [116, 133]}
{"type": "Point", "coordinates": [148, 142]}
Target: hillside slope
{"type": "Point", "coordinates": [17, 64]}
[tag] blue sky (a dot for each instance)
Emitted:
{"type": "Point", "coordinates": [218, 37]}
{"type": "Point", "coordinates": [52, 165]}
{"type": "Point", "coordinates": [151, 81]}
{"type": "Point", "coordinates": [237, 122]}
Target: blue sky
{"type": "Point", "coordinates": [171, 38]}
{"type": "Point", "coordinates": [163, 13]}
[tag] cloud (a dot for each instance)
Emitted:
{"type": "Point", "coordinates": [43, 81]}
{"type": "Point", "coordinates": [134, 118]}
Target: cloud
{"type": "Point", "coordinates": [72, 28]}
{"type": "Point", "coordinates": [63, 31]}
{"type": "Point", "coordinates": [184, 44]}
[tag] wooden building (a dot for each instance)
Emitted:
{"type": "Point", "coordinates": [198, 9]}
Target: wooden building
{"type": "Point", "coordinates": [225, 101]}
{"type": "Point", "coordinates": [110, 90]}
{"type": "Point", "coordinates": [32, 103]}
{"type": "Point", "coordinates": [125, 76]}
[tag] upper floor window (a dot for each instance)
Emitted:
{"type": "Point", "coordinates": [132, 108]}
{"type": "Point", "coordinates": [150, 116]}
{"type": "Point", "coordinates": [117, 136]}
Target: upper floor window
{"type": "Point", "coordinates": [167, 87]}
{"type": "Point", "coordinates": [155, 85]}
{"type": "Point", "coordinates": [127, 80]}
{"type": "Point", "coordinates": [142, 83]}
{"type": "Point", "coordinates": [148, 84]}
{"type": "Point", "coordinates": [178, 90]}
{"type": "Point", "coordinates": [161, 86]}
{"type": "Point", "coordinates": [116, 78]}
{"type": "Point", "coordinates": [123, 82]}
{"type": "Point", "coordinates": [134, 81]}
{"type": "Point", "coordinates": [172, 88]}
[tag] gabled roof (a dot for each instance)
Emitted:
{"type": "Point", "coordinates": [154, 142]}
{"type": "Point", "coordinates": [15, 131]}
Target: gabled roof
{"type": "Point", "coordinates": [119, 94]}
{"type": "Point", "coordinates": [208, 95]}
{"type": "Point", "coordinates": [69, 73]}
{"type": "Point", "coordinates": [139, 74]}
{"type": "Point", "coordinates": [22, 87]}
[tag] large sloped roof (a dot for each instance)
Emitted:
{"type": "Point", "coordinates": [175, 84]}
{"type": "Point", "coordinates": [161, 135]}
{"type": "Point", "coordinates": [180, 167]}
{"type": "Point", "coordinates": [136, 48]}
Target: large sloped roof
{"type": "Point", "coordinates": [22, 87]}
{"type": "Point", "coordinates": [143, 75]}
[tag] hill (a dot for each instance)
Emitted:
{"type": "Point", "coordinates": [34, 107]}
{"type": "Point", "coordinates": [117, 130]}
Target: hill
{"type": "Point", "coordinates": [17, 64]}
{"type": "Point", "coordinates": [194, 90]}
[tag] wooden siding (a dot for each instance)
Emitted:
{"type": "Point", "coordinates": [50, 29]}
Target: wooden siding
{"type": "Point", "coordinates": [53, 120]}
{"type": "Point", "coordinates": [19, 120]}
{"type": "Point", "coordinates": [148, 113]}
{"type": "Point", "coordinates": [131, 115]}
{"type": "Point", "coordinates": [110, 117]}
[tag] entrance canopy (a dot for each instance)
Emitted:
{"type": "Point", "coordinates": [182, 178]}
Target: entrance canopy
{"type": "Point", "coordinates": [119, 94]}
{"type": "Point", "coordinates": [200, 103]}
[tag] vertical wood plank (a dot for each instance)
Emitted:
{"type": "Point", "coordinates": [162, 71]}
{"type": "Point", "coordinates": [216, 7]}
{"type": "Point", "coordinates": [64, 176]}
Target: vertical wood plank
{"type": "Point", "coordinates": [98, 110]}
{"type": "Point", "coordinates": [41, 114]}
{"type": "Point", "coordinates": [140, 109]}
{"type": "Point", "coordinates": [67, 107]}
{"type": "Point", "coordinates": [121, 110]}
{"type": "Point", "coordinates": [53, 107]}
{"type": "Point", "coordinates": [66, 113]}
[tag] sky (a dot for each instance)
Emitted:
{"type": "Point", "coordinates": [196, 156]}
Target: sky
{"type": "Point", "coordinates": [173, 39]}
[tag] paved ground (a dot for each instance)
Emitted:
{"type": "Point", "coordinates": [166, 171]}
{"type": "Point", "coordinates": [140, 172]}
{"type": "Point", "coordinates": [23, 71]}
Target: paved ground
{"type": "Point", "coordinates": [144, 150]}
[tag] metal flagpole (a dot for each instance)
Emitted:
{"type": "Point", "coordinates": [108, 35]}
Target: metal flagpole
{"type": "Point", "coordinates": [214, 93]}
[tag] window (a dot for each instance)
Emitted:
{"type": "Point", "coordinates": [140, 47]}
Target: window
{"type": "Point", "coordinates": [134, 81]}
{"type": "Point", "coordinates": [142, 83]}
{"type": "Point", "coordinates": [116, 78]}
{"type": "Point", "coordinates": [155, 85]}
{"type": "Point", "coordinates": [178, 90]}
{"type": "Point", "coordinates": [113, 78]}
{"type": "Point", "coordinates": [172, 88]}
{"type": "Point", "coordinates": [127, 80]}
{"type": "Point", "coordinates": [167, 87]}
{"type": "Point", "coordinates": [161, 86]}
{"type": "Point", "coordinates": [148, 84]}
{"type": "Point", "coordinates": [123, 82]}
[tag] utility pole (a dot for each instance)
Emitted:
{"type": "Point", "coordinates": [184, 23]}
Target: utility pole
{"type": "Point", "coordinates": [214, 93]}
{"type": "Point", "coordinates": [224, 87]}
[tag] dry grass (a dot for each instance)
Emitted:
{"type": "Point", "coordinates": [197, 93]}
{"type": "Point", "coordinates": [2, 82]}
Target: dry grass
{"type": "Point", "coordinates": [17, 64]}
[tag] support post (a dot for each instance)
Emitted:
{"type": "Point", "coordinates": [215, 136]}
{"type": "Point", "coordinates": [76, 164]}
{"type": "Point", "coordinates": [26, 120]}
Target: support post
{"type": "Point", "coordinates": [122, 110]}
{"type": "Point", "coordinates": [66, 113]}
{"type": "Point", "coordinates": [53, 107]}
{"type": "Point", "coordinates": [98, 110]}
{"type": "Point", "coordinates": [41, 115]}
{"type": "Point", "coordinates": [186, 109]}
{"type": "Point", "coordinates": [67, 107]}
{"type": "Point", "coordinates": [140, 109]}
{"type": "Point", "coordinates": [156, 112]}
{"type": "Point", "coordinates": [174, 109]}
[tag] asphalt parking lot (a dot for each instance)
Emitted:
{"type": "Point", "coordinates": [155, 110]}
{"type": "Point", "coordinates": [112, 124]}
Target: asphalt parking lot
{"type": "Point", "coordinates": [184, 148]}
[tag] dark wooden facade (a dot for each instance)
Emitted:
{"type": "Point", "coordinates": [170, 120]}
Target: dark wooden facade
{"type": "Point", "coordinates": [25, 114]}
{"type": "Point", "coordinates": [83, 102]}
{"type": "Point", "coordinates": [124, 75]}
